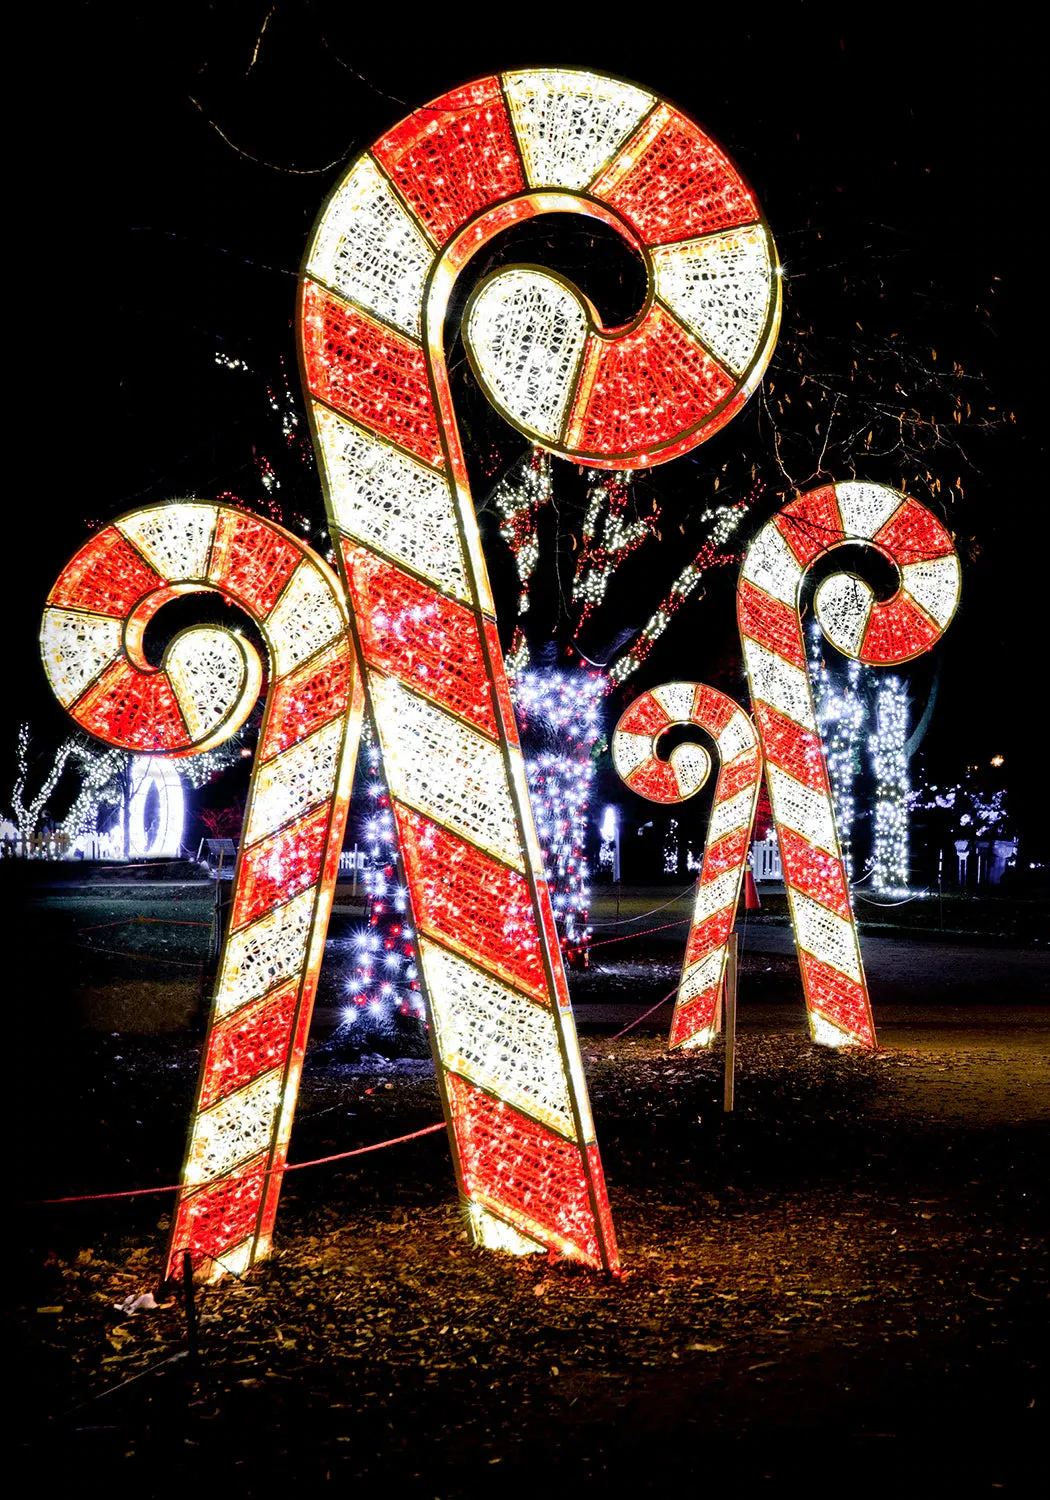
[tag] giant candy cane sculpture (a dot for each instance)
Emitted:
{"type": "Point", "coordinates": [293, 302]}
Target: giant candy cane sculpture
{"type": "Point", "coordinates": [202, 692]}
{"type": "Point", "coordinates": [769, 600]}
{"type": "Point", "coordinates": [403, 222]}
{"type": "Point", "coordinates": [879, 632]}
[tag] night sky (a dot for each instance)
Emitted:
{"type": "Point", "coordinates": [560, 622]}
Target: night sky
{"type": "Point", "coordinates": [897, 169]}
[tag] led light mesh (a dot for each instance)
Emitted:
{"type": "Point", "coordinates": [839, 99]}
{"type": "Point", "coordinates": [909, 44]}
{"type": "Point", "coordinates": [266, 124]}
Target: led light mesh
{"type": "Point", "coordinates": [294, 820]}
{"type": "Point", "coordinates": [861, 627]}
{"type": "Point", "coordinates": [728, 833]}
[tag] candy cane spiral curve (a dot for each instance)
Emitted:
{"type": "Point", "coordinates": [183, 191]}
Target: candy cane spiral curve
{"type": "Point", "coordinates": [295, 815]}
{"type": "Point", "coordinates": [388, 247]}
{"type": "Point", "coordinates": [681, 776]}
{"type": "Point", "coordinates": [860, 626]}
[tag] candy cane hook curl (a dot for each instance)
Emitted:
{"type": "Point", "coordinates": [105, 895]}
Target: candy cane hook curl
{"type": "Point", "coordinates": [681, 776]}
{"type": "Point", "coordinates": [396, 232]}
{"type": "Point", "coordinates": [207, 684]}
{"type": "Point", "coordinates": [860, 626]}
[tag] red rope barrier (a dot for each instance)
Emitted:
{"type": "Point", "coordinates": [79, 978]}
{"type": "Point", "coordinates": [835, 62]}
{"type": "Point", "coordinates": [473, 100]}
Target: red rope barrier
{"type": "Point", "coordinates": [604, 942]}
{"type": "Point", "coordinates": [296, 1166]}
{"type": "Point", "coordinates": [639, 1019]}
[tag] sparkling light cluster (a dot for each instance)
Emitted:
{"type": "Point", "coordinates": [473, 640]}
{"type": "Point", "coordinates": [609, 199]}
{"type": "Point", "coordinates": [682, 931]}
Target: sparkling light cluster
{"type": "Point", "coordinates": [890, 846]}
{"type": "Point", "coordinates": [560, 714]}
{"type": "Point", "coordinates": [841, 716]}
{"type": "Point", "coordinates": [620, 535]}
{"type": "Point", "coordinates": [884, 632]}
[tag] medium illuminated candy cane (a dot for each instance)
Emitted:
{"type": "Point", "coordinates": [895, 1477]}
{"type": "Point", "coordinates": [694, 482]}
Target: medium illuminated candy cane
{"type": "Point", "coordinates": [396, 232]}
{"type": "Point", "coordinates": [858, 625]}
{"type": "Point", "coordinates": [680, 776]}
{"type": "Point", "coordinates": [205, 688]}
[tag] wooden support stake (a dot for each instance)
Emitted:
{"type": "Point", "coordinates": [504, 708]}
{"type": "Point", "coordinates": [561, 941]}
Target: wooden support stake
{"type": "Point", "coordinates": [729, 1013]}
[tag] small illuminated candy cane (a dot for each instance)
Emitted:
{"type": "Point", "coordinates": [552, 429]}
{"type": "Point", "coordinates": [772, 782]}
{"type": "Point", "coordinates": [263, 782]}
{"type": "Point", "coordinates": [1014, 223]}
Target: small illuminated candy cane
{"type": "Point", "coordinates": [680, 776]}
{"type": "Point", "coordinates": [858, 625]}
{"type": "Point", "coordinates": [404, 221]}
{"type": "Point", "coordinates": [205, 688]}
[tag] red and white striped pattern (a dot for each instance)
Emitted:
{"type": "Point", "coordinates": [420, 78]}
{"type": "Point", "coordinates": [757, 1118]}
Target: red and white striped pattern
{"type": "Point", "coordinates": [397, 230]}
{"type": "Point", "coordinates": [728, 833]}
{"type": "Point", "coordinates": [294, 819]}
{"type": "Point", "coordinates": [895, 630]}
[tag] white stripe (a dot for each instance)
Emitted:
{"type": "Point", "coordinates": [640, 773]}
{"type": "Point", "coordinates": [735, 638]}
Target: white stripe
{"type": "Point", "coordinates": [445, 769]}
{"type": "Point", "coordinates": [300, 778]}
{"type": "Point", "coordinates": [865, 508]}
{"type": "Point", "coordinates": [234, 1130]}
{"type": "Point", "coordinates": [175, 539]}
{"type": "Point", "coordinates": [778, 683]}
{"type": "Point", "coordinates": [692, 766]}
{"type": "Point", "coordinates": [842, 604]}
{"type": "Point", "coordinates": [305, 618]}
{"type": "Point", "coordinates": [934, 586]}
{"type": "Point", "coordinates": [730, 815]}
{"type": "Point", "coordinates": [492, 1035]}
{"type": "Point", "coordinates": [570, 124]}
{"type": "Point", "coordinates": [370, 250]}
{"type": "Point", "coordinates": [738, 736]}
{"type": "Point", "coordinates": [720, 288]}
{"type": "Point", "coordinates": [629, 751]}
{"type": "Point", "coordinates": [807, 812]}
{"type": "Point", "coordinates": [387, 500]}
{"type": "Point", "coordinates": [676, 699]}
{"type": "Point", "coordinates": [702, 975]}
{"type": "Point", "coordinates": [262, 956]}
{"type": "Point", "coordinates": [771, 565]}
{"type": "Point", "coordinates": [76, 647]}
{"type": "Point", "coordinates": [827, 936]}
{"type": "Point", "coordinates": [714, 895]}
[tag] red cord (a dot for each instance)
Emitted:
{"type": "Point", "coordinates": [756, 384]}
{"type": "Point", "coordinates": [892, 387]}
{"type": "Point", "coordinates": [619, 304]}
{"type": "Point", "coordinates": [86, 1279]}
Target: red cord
{"type": "Point", "coordinates": [296, 1166]}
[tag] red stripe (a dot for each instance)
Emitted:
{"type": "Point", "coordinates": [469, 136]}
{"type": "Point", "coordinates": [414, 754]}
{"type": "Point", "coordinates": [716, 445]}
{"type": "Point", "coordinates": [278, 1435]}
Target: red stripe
{"type": "Point", "coordinates": [695, 1015]}
{"type": "Point", "coordinates": [307, 698]}
{"type": "Point", "coordinates": [374, 375]}
{"type": "Point", "coordinates": [252, 560]}
{"type": "Point", "coordinates": [726, 854]}
{"type": "Point", "coordinates": [429, 642]}
{"type": "Point", "coordinates": [107, 576]}
{"type": "Point", "coordinates": [500, 676]}
{"type": "Point", "coordinates": [738, 774]}
{"type": "Point", "coordinates": [644, 716]}
{"type": "Point", "coordinates": [649, 386]}
{"type": "Point", "coordinates": [279, 867]}
{"type": "Point", "coordinates": [454, 157]}
{"type": "Point", "coordinates": [682, 186]}
{"type": "Point", "coordinates": [224, 1213]}
{"type": "Point", "coordinates": [711, 933]}
{"type": "Point", "coordinates": [470, 902]}
{"type": "Point", "coordinates": [795, 750]}
{"type": "Point", "coordinates": [770, 622]}
{"type": "Point", "coordinates": [656, 780]}
{"type": "Point", "coordinates": [913, 534]}
{"type": "Point", "coordinates": [811, 524]}
{"type": "Point", "coordinates": [712, 710]}
{"type": "Point", "coordinates": [513, 1161]}
{"type": "Point", "coordinates": [897, 631]}
{"type": "Point", "coordinates": [814, 872]}
{"type": "Point", "coordinates": [836, 996]}
{"type": "Point", "coordinates": [136, 710]}
{"type": "Point", "coordinates": [249, 1043]}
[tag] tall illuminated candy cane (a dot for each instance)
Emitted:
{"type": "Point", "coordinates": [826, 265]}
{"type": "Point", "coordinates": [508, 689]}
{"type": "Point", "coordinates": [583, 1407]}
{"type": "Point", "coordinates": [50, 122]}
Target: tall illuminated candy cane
{"type": "Point", "coordinates": [208, 683]}
{"type": "Point", "coordinates": [878, 632]}
{"type": "Point", "coordinates": [404, 221]}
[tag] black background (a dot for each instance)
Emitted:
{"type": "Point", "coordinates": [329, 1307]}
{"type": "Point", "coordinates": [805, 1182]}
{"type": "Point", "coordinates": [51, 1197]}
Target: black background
{"type": "Point", "coordinates": [146, 242]}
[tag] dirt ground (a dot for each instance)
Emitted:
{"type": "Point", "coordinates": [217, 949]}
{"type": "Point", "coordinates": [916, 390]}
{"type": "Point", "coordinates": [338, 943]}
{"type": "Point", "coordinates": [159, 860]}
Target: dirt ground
{"type": "Point", "coordinates": [843, 1285]}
